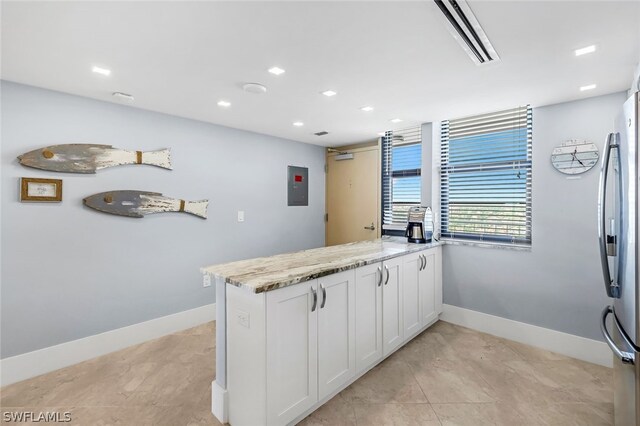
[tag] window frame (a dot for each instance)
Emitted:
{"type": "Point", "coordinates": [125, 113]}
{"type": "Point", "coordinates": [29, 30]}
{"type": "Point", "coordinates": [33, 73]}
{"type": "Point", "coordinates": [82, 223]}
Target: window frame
{"type": "Point", "coordinates": [388, 175]}
{"type": "Point", "coordinates": [525, 116]}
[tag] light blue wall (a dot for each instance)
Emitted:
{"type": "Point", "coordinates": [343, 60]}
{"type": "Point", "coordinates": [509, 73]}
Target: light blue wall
{"type": "Point", "coordinates": [558, 284]}
{"type": "Point", "coordinates": [69, 272]}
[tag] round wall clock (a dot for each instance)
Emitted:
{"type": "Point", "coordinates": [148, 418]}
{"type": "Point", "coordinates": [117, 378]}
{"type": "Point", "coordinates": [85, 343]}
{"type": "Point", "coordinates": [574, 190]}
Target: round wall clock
{"type": "Point", "coordinates": [574, 157]}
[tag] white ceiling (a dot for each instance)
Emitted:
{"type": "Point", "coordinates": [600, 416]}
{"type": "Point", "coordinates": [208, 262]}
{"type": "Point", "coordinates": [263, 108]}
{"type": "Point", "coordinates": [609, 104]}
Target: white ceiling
{"type": "Point", "coordinates": [180, 58]}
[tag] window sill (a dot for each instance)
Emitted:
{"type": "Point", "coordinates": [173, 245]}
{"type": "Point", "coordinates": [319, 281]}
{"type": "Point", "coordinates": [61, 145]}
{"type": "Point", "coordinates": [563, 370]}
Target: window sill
{"type": "Point", "coordinates": [485, 244]}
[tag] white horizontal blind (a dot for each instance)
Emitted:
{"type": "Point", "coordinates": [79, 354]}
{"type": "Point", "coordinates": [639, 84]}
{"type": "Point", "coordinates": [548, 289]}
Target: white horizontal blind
{"type": "Point", "coordinates": [486, 177]}
{"type": "Point", "coordinates": [401, 169]}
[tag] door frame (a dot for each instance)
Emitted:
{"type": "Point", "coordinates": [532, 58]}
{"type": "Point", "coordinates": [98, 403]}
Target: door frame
{"type": "Point", "coordinates": [367, 146]}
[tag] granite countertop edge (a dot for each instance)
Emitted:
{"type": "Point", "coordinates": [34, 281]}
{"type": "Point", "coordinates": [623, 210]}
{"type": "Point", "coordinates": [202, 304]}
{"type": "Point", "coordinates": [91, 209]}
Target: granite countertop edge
{"type": "Point", "coordinates": [269, 286]}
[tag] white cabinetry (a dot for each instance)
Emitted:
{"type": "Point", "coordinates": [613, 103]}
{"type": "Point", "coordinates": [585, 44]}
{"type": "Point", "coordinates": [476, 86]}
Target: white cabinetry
{"type": "Point", "coordinates": [292, 352]}
{"type": "Point", "coordinates": [336, 331]}
{"type": "Point", "coordinates": [412, 289]}
{"type": "Point", "coordinates": [438, 266]}
{"type": "Point", "coordinates": [392, 320]}
{"type": "Point", "coordinates": [428, 297]}
{"type": "Point", "coordinates": [422, 290]}
{"type": "Point", "coordinates": [368, 291]}
{"type": "Point", "coordinates": [289, 350]}
{"type": "Point", "coordinates": [310, 343]}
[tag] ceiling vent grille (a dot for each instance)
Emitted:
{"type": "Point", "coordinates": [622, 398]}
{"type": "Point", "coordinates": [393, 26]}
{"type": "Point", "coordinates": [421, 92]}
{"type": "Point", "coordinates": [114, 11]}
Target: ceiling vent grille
{"type": "Point", "coordinates": [322, 133]}
{"type": "Point", "coordinates": [466, 29]}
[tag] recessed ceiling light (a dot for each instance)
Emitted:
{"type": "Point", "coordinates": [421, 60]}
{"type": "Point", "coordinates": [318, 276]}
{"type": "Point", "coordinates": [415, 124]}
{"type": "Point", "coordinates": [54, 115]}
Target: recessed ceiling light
{"type": "Point", "coordinates": [99, 70]}
{"type": "Point", "coordinates": [298, 123]}
{"type": "Point", "coordinates": [587, 87]}
{"type": "Point", "coordinates": [224, 104]}
{"type": "Point", "coordinates": [395, 120]}
{"type": "Point", "coordinates": [329, 93]}
{"type": "Point", "coordinates": [585, 50]}
{"type": "Point", "coordinates": [276, 70]}
{"type": "Point", "coordinates": [366, 108]}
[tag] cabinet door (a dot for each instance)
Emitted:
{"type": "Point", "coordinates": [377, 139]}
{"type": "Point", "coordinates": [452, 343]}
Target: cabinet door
{"type": "Point", "coordinates": [292, 352]}
{"type": "Point", "coordinates": [428, 288]}
{"type": "Point", "coordinates": [336, 331]}
{"type": "Point", "coordinates": [368, 315]}
{"type": "Point", "coordinates": [438, 260]}
{"type": "Point", "coordinates": [392, 330]}
{"type": "Point", "coordinates": [411, 265]}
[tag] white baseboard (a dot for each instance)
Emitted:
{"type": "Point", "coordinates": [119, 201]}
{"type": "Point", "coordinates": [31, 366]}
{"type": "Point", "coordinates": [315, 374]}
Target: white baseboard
{"type": "Point", "coordinates": [555, 341]}
{"type": "Point", "coordinates": [219, 402]}
{"type": "Point", "coordinates": [31, 364]}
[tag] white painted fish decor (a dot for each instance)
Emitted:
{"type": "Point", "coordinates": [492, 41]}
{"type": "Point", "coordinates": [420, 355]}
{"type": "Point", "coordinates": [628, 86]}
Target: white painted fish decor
{"type": "Point", "coordinates": [141, 203]}
{"type": "Point", "coordinates": [87, 158]}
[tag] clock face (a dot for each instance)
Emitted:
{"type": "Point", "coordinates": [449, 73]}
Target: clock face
{"type": "Point", "coordinates": [574, 157]}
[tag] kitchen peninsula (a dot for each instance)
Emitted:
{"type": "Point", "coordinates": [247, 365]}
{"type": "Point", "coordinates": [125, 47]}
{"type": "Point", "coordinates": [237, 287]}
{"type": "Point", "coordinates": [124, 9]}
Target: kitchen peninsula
{"type": "Point", "coordinates": [292, 330]}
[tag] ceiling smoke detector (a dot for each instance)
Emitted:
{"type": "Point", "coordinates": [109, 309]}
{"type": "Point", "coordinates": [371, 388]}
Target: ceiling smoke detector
{"type": "Point", "coordinates": [465, 28]}
{"type": "Point", "coordinates": [256, 88]}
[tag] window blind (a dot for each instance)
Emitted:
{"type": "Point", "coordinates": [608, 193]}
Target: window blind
{"type": "Point", "coordinates": [401, 169]}
{"type": "Point", "coordinates": [485, 177]}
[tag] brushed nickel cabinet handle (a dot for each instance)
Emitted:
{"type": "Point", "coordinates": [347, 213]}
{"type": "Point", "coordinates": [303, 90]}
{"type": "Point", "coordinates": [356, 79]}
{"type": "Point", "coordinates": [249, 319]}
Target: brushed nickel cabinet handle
{"type": "Point", "coordinates": [380, 279]}
{"type": "Point", "coordinates": [387, 280]}
{"type": "Point", "coordinates": [315, 299]}
{"type": "Point", "coordinates": [324, 296]}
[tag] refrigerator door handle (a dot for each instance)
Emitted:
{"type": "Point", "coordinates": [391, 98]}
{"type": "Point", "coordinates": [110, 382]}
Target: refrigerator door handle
{"type": "Point", "coordinates": [610, 286]}
{"type": "Point", "coordinates": [626, 357]}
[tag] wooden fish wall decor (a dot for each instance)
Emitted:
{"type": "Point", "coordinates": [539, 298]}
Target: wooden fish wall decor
{"type": "Point", "coordinates": [87, 158]}
{"type": "Point", "coordinates": [141, 203]}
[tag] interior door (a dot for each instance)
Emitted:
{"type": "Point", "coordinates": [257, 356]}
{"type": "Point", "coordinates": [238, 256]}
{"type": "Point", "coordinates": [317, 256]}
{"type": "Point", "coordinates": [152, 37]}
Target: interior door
{"type": "Point", "coordinates": [336, 331]}
{"type": "Point", "coordinates": [368, 315]}
{"type": "Point", "coordinates": [353, 194]}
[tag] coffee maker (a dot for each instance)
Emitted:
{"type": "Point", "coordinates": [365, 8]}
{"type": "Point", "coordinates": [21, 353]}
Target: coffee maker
{"type": "Point", "coordinates": [419, 225]}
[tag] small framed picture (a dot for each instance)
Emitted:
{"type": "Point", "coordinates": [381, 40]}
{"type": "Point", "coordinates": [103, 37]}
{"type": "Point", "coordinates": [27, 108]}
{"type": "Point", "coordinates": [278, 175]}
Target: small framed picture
{"type": "Point", "coordinates": [39, 189]}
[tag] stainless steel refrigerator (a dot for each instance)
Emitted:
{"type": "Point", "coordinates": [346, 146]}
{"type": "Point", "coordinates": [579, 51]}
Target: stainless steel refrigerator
{"type": "Point", "coordinates": [618, 232]}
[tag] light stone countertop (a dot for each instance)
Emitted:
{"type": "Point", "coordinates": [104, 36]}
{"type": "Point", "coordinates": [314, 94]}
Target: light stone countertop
{"type": "Point", "coordinates": [272, 272]}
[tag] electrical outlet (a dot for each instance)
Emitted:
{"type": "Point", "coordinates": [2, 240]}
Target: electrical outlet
{"type": "Point", "coordinates": [243, 318]}
{"type": "Point", "coordinates": [206, 280]}
{"type": "Point", "coordinates": [240, 215]}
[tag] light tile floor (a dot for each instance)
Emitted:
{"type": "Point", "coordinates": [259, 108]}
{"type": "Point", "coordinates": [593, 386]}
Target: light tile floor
{"type": "Point", "coordinates": [448, 375]}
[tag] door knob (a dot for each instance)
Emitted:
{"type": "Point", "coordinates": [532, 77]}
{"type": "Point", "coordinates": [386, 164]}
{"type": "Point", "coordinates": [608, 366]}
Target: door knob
{"type": "Point", "coordinates": [370, 228]}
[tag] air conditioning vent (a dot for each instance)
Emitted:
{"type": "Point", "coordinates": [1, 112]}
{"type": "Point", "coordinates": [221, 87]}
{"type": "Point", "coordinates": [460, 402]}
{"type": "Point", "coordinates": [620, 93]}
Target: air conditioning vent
{"type": "Point", "coordinates": [466, 29]}
{"type": "Point", "coordinates": [322, 133]}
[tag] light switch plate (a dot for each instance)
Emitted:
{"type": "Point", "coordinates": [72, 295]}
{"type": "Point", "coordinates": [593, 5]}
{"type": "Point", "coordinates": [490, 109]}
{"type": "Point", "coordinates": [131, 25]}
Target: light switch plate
{"type": "Point", "coordinates": [240, 215]}
{"type": "Point", "coordinates": [206, 280]}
